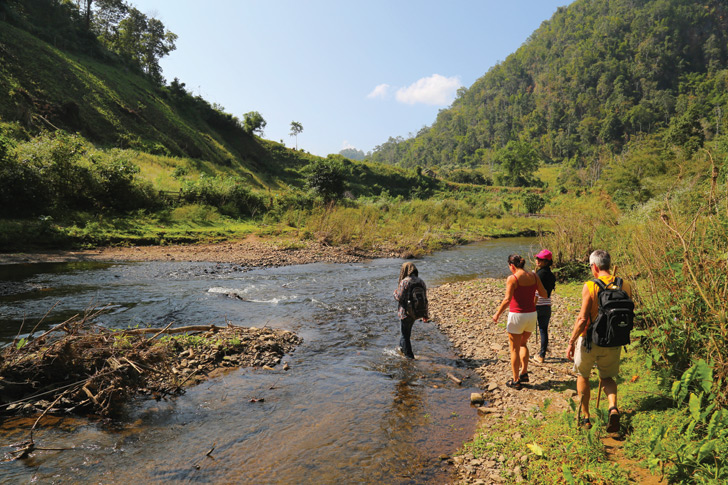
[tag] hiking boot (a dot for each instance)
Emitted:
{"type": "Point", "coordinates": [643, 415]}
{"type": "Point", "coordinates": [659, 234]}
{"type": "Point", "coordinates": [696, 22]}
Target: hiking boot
{"type": "Point", "coordinates": [524, 377]}
{"type": "Point", "coordinates": [539, 359]}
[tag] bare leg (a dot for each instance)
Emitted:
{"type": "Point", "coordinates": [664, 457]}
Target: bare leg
{"type": "Point", "coordinates": [582, 387]}
{"type": "Point", "coordinates": [610, 389]}
{"type": "Point", "coordinates": [524, 355]}
{"type": "Point", "coordinates": [515, 344]}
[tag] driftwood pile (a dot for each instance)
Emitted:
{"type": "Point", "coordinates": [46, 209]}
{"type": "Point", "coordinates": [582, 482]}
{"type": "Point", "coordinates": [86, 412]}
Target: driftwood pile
{"type": "Point", "coordinates": [78, 367]}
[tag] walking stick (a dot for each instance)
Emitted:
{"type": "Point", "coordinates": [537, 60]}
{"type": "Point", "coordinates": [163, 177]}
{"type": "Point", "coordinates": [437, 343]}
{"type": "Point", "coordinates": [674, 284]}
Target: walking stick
{"type": "Point", "coordinates": [599, 392]}
{"type": "Point", "coordinates": [578, 413]}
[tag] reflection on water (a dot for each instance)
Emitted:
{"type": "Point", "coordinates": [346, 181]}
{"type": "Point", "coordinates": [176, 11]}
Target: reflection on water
{"type": "Point", "coordinates": [350, 409]}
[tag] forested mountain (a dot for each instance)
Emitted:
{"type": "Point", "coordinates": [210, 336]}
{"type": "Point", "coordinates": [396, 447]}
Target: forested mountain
{"type": "Point", "coordinates": [588, 84]}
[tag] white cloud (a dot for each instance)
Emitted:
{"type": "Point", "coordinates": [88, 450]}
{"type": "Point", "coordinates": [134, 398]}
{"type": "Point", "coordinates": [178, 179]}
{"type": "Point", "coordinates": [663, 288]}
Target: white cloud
{"type": "Point", "coordinates": [346, 145]}
{"type": "Point", "coordinates": [434, 90]}
{"type": "Point", "coordinates": [380, 91]}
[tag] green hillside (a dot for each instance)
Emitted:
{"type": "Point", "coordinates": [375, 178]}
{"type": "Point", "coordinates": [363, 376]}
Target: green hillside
{"type": "Point", "coordinates": [597, 82]}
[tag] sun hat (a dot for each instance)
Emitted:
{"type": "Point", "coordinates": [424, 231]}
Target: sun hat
{"type": "Point", "coordinates": [544, 254]}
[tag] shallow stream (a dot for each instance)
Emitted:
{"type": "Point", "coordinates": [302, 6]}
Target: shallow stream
{"type": "Point", "coordinates": [350, 409]}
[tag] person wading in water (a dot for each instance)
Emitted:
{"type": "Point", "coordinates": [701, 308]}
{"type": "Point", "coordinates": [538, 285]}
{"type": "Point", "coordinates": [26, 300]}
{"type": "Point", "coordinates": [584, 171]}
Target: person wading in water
{"type": "Point", "coordinates": [411, 295]}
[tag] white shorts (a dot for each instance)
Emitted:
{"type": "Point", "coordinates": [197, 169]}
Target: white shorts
{"type": "Point", "coordinates": [605, 358]}
{"type": "Point", "coordinates": [521, 322]}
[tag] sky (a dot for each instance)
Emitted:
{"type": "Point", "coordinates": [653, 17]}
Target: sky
{"type": "Point", "coordinates": [353, 73]}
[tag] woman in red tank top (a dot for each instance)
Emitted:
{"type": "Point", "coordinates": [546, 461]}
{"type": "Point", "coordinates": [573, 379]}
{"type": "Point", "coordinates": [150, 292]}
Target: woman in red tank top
{"type": "Point", "coordinates": [521, 288]}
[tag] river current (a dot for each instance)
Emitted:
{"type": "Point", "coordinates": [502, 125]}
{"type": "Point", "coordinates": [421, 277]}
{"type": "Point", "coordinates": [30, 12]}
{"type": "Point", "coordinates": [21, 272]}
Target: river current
{"type": "Point", "coordinates": [350, 409]}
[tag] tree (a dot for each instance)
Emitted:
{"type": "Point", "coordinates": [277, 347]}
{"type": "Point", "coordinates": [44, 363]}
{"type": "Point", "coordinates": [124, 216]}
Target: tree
{"type": "Point", "coordinates": [157, 42]}
{"type": "Point", "coordinates": [253, 122]}
{"type": "Point", "coordinates": [534, 203]}
{"type": "Point", "coordinates": [106, 18]}
{"type": "Point", "coordinates": [296, 128]}
{"type": "Point", "coordinates": [143, 41]}
{"type": "Point", "coordinates": [519, 161]}
{"type": "Point", "coordinates": [326, 178]}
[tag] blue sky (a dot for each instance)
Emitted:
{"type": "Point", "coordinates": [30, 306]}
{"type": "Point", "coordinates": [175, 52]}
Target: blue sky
{"type": "Point", "coordinates": [352, 72]}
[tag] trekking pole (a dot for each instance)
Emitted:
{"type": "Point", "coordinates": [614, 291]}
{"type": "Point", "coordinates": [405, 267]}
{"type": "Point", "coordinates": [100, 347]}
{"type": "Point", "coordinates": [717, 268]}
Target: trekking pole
{"type": "Point", "coordinates": [578, 412]}
{"type": "Point", "coordinates": [599, 392]}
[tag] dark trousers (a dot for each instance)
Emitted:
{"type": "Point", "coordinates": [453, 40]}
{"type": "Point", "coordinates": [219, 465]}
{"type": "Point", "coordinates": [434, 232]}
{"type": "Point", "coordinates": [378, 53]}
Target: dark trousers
{"type": "Point", "coordinates": [543, 313]}
{"type": "Point", "coordinates": [405, 327]}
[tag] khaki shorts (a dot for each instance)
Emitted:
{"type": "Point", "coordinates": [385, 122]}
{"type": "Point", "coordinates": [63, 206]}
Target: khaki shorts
{"type": "Point", "coordinates": [521, 322]}
{"type": "Point", "coordinates": [605, 358]}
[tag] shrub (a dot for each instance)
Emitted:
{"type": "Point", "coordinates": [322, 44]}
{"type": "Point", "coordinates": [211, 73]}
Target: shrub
{"type": "Point", "coordinates": [326, 178]}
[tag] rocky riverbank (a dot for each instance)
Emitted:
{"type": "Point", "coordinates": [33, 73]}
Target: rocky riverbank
{"type": "Point", "coordinates": [253, 252]}
{"type": "Point", "coordinates": [464, 312]}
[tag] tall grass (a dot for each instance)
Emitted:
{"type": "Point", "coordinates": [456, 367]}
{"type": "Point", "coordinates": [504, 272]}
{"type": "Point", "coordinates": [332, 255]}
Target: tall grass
{"type": "Point", "coordinates": [580, 225]}
{"type": "Point", "coordinates": [682, 259]}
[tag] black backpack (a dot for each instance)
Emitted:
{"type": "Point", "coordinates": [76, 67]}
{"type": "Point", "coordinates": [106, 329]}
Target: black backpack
{"type": "Point", "coordinates": [417, 301]}
{"type": "Point", "coordinates": [615, 318]}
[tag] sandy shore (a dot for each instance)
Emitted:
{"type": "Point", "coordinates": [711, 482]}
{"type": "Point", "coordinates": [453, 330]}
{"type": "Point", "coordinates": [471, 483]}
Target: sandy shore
{"type": "Point", "coordinates": [464, 312]}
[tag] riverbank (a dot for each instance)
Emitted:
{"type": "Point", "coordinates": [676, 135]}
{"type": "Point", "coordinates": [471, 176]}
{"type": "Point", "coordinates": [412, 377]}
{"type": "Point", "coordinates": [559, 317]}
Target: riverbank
{"type": "Point", "coordinates": [251, 252]}
{"type": "Point", "coordinates": [463, 311]}
{"type": "Point", "coordinates": [528, 436]}
{"type": "Point", "coordinates": [81, 368]}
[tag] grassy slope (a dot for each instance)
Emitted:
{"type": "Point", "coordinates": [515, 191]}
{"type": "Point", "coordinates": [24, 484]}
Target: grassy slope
{"type": "Point", "coordinates": [44, 87]}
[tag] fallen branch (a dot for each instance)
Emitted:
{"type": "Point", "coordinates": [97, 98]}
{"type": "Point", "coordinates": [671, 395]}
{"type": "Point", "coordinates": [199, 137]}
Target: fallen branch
{"type": "Point", "coordinates": [190, 328]}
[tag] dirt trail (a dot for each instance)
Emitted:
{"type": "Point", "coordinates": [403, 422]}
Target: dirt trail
{"type": "Point", "coordinates": [464, 312]}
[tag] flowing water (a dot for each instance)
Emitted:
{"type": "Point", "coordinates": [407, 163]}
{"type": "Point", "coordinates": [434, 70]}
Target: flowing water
{"type": "Point", "coordinates": [350, 409]}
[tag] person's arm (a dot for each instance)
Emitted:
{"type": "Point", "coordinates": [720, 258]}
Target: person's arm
{"type": "Point", "coordinates": [581, 321]}
{"type": "Point", "coordinates": [510, 289]}
{"type": "Point", "coordinates": [540, 288]}
{"type": "Point", "coordinates": [399, 292]}
{"type": "Point", "coordinates": [427, 309]}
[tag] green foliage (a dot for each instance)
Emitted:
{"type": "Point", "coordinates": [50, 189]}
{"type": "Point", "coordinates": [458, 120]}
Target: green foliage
{"type": "Point", "coordinates": [686, 132]}
{"type": "Point", "coordinates": [253, 122]}
{"type": "Point", "coordinates": [519, 162]}
{"type": "Point", "coordinates": [691, 445]}
{"type": "Point", "coordinates": [114, 106]}
{"type": "Point", "coordinates": [465, 176]}
{"type": "Point", "coordinates": [58, 171]}
{"type": "Point", "coordinates": [326, 178]}
{"type": "Point", "coordinates": [533, 202]}
{"type": "Point", "coordinates": [682, 245]}
{"type": "Point", "coordinates": [296, 129]}
{"type": "Point", "coordinates": [229, 194]}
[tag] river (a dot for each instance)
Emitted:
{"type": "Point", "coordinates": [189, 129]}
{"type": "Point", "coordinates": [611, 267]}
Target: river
{"type": "Point", "coordinates": [349, 409]}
